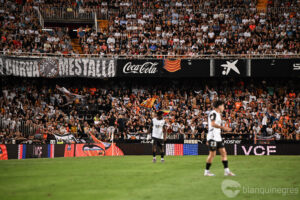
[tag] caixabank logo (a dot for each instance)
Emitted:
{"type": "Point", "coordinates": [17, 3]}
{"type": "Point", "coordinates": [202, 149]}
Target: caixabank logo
{"type": "Point", "coordinates": [231, 67]}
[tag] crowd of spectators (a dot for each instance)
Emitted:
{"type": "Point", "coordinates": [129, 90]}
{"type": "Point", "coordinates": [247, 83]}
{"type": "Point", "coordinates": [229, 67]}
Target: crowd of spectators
{"type": "Point", "coordinates": [36, 109]}
{"type": "Point", "coordinates": [156, 27]}
{"type": "Point", "coordinates": [193, 28]}
{"type": "Point", "coordinates": [21, 31]}
{"type": "Point", "coordinates": [73, 9]}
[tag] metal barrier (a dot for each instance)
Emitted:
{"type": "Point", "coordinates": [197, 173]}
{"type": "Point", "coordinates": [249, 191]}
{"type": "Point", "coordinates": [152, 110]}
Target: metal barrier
{"type": "Point", "coordinates": [58, 13]}
{"type": "Point", "coordinates": [205, 10]}
{"type": "Point", "coordinates": [12, 126]}
{"type": "Point", "coordinates": [154, 56]}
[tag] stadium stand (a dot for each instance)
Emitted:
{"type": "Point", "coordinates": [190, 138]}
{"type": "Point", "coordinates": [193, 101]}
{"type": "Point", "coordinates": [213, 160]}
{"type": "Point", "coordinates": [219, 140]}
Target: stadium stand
{"type": "Point", "coordinates": [33, 109]}
{"type": "Point", "coordinates": [155, 27]}
{"type": "Point", "coordinates": [193, 28]}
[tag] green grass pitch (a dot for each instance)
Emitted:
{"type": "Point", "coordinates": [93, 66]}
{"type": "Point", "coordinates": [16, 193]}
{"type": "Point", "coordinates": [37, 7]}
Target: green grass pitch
{"type": "Point", "coordinates": [136, 177]}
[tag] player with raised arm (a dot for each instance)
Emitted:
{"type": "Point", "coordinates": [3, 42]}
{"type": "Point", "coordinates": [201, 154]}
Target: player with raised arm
{"type": "Point", "coordinates": [158, 135]}
{"type": "Point", "coordinates": [214, 139]}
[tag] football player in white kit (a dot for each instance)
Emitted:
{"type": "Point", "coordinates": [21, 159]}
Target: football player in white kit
{"type": "Point", "coordinates": [158, 135]}
{"type": "Point", "coordinates": [214, 139]}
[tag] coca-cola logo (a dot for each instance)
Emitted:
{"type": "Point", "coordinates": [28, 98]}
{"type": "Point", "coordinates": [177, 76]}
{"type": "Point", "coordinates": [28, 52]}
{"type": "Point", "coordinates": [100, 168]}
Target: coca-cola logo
{"type": "Point", "coordinates": [146, 68]}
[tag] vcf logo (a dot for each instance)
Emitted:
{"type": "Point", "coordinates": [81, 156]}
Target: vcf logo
{"type": "Point", "coordinates": [296, 66]}
{"type": "Point", "coordinates": [230, 66]}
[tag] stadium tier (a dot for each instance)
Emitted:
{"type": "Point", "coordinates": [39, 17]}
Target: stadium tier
{"type": "Point", "coordinates": [150, 28]}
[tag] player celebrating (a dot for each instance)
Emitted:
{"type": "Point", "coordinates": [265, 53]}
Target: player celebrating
{"type": "Point", "coordinates": [214, 140]}
{"type": "Point", "coordinates": [158, 135]}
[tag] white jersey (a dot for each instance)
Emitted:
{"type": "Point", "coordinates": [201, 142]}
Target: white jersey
{"type": "Point", "coordinates": [157, 129]}
{"type": "Point", "coordinates": [214, 133]}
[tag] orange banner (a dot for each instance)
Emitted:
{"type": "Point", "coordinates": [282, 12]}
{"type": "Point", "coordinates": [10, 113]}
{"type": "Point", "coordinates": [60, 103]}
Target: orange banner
{"type": "Point", "coordinates": [3, 152]}
{"type": "Point", "coordinates": [69, 150]}
{"type": "Point", "coordinates": [98, 149]}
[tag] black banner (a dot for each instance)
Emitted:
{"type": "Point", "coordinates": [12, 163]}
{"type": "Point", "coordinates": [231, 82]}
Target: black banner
{"type": "Point", "coordinates": [37, 151]}
{"type": "Point", "coordinates": [230, 68]}
{"type": "Point", "coordinates": [54, 67]}
{"type": "Point", "coordinates": [12, 151]}
{"type": "Point", "coordinates": [163, 68]}
{"type": "Point", "coordinates": [57, 67]}
{"type": "Point", "coordinates": [186, 68]}
{"type": "Point", "coordinates": [275, 67]}
{"type": "Point", "coordinates": [139, 67]}
{"type": "Point", "coordinates": [59, 150]}
{"type": "Point", "coordinates": [135, 149]}
{"type": "Point", "coordinates": [259, 150]}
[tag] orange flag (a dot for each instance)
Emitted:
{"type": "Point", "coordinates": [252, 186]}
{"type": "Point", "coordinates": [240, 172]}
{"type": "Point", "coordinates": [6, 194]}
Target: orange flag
{"type": "Point", "coordinates": [148, 103]}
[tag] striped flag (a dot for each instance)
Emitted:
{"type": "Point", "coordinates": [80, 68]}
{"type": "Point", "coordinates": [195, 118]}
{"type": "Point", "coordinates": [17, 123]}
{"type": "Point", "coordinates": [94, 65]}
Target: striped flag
{"type": "Point", "coordinates": [166, 112]}
{"type": "Point", "coordinates": [148, 103]}
{"type": "Point", "coordinates": [172, 65]}
{"type": "Point", "coordinates": [50, 150]}
{"type": "Point", "coordinates": [21, 151]}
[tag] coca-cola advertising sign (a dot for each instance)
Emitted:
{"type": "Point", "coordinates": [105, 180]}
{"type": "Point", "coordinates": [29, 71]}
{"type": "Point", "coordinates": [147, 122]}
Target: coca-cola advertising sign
{"type": "Point", "coordinates": [145, 68]}
{"type": "Point", "coordinates": [139, 67]}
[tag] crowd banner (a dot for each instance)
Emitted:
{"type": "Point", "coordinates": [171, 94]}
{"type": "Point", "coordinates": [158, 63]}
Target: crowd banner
{"type": "Point", "coordinates": [275, 67]}
{"type": "Point", "coordinates": [54, 67]}
{"type": "Point", "coordinates": [231, 68]}
{"type": "Point", "coordinates": [67, 138]}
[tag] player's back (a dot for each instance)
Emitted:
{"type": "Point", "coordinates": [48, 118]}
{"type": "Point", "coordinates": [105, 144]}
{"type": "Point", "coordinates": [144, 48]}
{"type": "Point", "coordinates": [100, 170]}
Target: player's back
{"type": "Point", "coordinates": [214, 133]}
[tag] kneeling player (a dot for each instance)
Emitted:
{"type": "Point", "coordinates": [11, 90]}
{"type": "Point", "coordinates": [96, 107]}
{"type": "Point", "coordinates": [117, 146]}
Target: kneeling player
{"type": "Point", "coordinates": [158, 135]}
{"type": "Point", "coordinates": [214, 139]}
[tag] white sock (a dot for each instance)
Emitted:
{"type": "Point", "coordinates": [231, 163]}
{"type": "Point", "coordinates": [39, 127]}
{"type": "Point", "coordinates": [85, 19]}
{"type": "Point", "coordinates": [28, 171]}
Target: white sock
{"type": "Point", "coordinates": [154, 158]}
{"type": "Point", "coordinates": [162, 158]}
{"type": "Point", "coordinates": [206, 171]}
{"type": "Point", "coordinates": [227, 170]}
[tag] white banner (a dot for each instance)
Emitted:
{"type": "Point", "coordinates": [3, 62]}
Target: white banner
{"type": "Point", "coordinates": [57, 67]}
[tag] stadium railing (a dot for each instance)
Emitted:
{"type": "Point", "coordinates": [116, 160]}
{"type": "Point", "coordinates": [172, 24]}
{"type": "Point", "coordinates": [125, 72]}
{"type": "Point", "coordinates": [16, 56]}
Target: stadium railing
{"type": "Point", "coordinates": [154, 56]}
{"type": "Point", "coordinates": [57, 13]}
{"type": "Point", "coordinates": [272, 10]}
{"type": "Point", "coordinates": [76, 13]}
{"type": "Point", "coordinates": [13, 126]}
